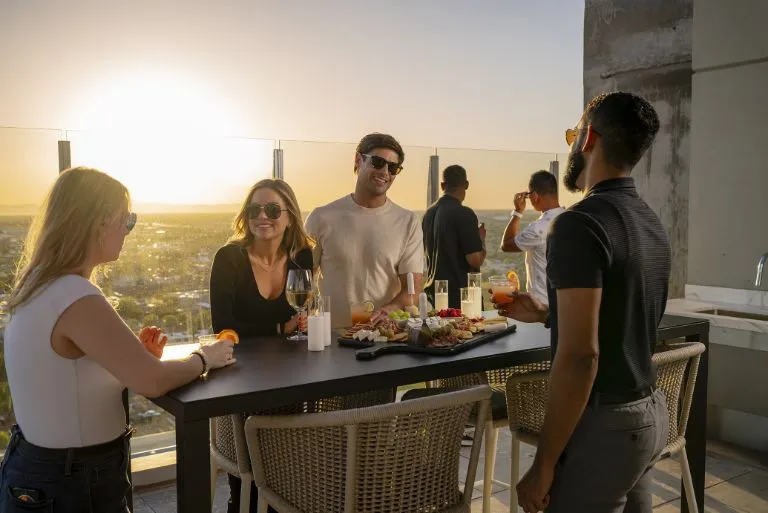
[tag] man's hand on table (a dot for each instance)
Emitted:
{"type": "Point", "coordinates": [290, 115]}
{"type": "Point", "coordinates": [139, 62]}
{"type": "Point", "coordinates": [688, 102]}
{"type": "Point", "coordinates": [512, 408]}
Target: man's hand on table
{"type": "Point", "coordinates": [524, 308]}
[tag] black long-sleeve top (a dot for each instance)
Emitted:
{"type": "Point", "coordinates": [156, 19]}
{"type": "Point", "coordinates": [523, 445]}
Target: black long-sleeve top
{"type": "Point", "coordinates": [235, 299]}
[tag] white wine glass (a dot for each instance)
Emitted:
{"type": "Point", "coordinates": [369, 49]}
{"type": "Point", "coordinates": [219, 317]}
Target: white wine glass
{"type": "Point", "coordinates": [298, 292]}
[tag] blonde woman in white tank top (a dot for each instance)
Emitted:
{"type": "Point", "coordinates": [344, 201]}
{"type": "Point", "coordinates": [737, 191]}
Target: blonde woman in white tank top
{"type": "Point", "coordinates": [69, 356]}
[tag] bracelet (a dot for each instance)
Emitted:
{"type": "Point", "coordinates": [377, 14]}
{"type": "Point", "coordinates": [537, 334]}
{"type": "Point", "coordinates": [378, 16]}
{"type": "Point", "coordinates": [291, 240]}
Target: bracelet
{"type": "Point", "coordinates": [199, 353]}
{"type": "Point", "coordinates": [515, 213]}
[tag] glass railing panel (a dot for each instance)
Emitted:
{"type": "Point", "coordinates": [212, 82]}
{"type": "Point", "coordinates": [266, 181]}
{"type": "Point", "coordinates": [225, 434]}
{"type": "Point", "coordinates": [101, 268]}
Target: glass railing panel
{"type": "Point", "coordinates": [28, 166]}
{"type": "Point", "coordinates": [409, 189]}
{"type": "Point", "coordinates": [318, 172]}
{"type": "Point", "coordinates": [494, 178]}
{"type": "Point", "coordinates": [187, 192]}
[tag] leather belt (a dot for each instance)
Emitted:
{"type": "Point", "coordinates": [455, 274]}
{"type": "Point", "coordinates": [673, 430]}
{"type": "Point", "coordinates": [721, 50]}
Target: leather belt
{"type": "Point", "coordinates": [612, 398]}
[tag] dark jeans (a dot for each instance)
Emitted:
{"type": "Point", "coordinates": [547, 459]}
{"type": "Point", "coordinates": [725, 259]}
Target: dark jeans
{"type": "Point", "coordinates": [233, 506]}
{"type": "Point", "coordinates": [83, 480]}
{"type": "Point", "coordinates": [604, 468]}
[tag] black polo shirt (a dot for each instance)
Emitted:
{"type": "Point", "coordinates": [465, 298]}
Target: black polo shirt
{"type": "Point", "coordinates": [450, 234]}
{"type": "Point", "coordinates": [612, 240]}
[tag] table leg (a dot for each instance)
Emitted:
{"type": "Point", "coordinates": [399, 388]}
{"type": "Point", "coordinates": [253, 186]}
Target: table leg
{"type": "Point", "coordinates": [696, 435]}
{"type": "Point", "coordinates": [193, 480]}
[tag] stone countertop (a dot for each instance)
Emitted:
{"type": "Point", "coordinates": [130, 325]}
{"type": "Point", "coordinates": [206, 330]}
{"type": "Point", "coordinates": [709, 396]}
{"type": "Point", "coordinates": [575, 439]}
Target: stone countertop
{"type": "Point", "coordinates": [693, 307]}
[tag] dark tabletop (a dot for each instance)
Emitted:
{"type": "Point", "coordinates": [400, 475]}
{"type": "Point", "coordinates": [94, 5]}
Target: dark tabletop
{"type": "Point", "coordinates": [271, 371]}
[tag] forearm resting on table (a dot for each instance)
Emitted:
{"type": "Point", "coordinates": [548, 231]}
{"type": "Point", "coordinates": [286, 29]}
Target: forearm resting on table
{"type": "Point", "coordinates": [176, 373]}
{"type": "Point", "coordinates": [570, 383]}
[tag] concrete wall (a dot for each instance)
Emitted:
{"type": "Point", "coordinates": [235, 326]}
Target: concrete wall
{"type": "Point", "coordinates": [645, 48]}
{"type": "Point", "coordinates": [728, 226]}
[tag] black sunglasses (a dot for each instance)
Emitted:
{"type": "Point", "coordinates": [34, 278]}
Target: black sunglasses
{"type": "Point", "coordinates": [378, 162]}
{"type": "Point", "coordinates": [130, 223]}
{"type": "Point", "coordinates": [271, 210]}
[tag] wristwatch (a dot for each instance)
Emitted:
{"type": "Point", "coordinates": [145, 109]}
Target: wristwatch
{"type": "Point", "coordinates": [515, 213]}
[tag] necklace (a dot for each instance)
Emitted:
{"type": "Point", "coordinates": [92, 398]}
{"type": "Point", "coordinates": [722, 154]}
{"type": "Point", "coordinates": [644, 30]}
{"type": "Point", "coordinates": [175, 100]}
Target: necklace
{"type": "Point", "coordinates": [266, 267]}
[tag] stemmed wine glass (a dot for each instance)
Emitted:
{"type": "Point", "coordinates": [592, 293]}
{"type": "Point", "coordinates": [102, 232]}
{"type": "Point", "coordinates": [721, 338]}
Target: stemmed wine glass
{"type": "Point", "coordinates": [298, 292]}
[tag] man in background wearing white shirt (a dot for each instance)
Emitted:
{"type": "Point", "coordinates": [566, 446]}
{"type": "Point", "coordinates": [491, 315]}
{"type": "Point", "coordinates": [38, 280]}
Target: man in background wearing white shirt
{"type": "Point", "coordinates": [542, 191]}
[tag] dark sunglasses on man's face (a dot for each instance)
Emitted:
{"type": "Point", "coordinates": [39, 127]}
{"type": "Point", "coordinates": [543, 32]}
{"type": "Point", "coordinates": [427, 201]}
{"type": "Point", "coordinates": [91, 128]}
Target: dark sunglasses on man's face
{"type": "Point", "coordinates": [378, 162]}
{"type": "Point", "coordinates": [130, 223]}
{"type": "Point", "coordinates": [271, 210]}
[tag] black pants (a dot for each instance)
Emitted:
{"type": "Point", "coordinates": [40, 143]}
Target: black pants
{"type": "Point", "coordinates": [233, 506]}
{"type": "Point", "coordinates": [93, 479]}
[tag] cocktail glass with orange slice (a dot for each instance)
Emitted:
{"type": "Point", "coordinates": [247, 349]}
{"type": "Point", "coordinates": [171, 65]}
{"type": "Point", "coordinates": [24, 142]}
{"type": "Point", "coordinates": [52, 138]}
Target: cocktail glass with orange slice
{"type": "Point", "coordinates": [501, 288]}
{"type": "Point", "coordinates": [361, 312]}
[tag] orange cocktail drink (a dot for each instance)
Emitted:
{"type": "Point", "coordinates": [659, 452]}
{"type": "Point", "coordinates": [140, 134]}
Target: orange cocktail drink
{"type": "Point", "coordinates": [361, 312]}
{"type": "Point", "coordinates": [502, 287]}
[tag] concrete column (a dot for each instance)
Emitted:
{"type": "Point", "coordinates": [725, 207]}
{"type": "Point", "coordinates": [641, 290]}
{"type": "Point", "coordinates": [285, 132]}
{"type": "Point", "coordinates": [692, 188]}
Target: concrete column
{"type": "Point", "coordinates": [65, 156]}
{"type": "Point", "coordinates": [645, 48]}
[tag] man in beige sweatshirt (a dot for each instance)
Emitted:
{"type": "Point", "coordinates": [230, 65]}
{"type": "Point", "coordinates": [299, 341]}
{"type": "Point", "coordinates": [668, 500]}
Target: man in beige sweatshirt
{"type": "Point", "coordinates": [366, 244]}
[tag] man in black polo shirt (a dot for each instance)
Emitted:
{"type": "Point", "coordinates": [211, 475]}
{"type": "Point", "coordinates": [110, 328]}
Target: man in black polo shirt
{"type": "Point", "coordinates": [608, 266]}
{"type": "Point", "coordinates": [453, 240]}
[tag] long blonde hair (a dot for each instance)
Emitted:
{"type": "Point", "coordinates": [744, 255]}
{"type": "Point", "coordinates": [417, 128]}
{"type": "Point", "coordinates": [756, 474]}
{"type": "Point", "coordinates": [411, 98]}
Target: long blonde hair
{"type": "Point", "coordinates": [66, 228]}
{"type": "Point", "coordinates": [295, 237]}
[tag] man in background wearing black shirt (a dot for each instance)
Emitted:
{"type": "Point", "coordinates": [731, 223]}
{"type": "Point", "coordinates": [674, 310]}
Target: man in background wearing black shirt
{"type": "Point", "coordinates": [453, 240]}
{"type": "Point", "coordinates": [608, 266]}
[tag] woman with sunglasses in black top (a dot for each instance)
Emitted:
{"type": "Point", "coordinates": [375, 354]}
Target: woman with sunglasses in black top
{"type": "Point", "coordinates": [249, 273]}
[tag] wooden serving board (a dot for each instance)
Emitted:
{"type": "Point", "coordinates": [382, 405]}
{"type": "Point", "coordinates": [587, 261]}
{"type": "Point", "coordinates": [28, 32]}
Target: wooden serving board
{"type": "Point", "coordinates": [367, 350]}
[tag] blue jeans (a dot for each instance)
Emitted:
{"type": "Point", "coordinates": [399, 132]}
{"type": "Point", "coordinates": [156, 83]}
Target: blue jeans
{"type": "Point", "coordinates": [83, 480]}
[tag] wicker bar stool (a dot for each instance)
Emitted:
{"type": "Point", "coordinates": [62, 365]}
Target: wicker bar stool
{"type": "Point", "coordinates": [500, 416]}
{"type": "Point", "coordinates": [228, 448]}
{"type": "Point", "coordinates": [676, 373]}
{"type": "Point", "coordinates": [382, 459]}
{"type": "Point", "coordinates": [676, 370]}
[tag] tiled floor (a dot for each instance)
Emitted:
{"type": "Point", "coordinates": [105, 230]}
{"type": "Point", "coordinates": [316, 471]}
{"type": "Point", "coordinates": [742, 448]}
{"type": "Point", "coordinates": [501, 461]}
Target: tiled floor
{"type": "Point", "coordinates": [735, 484]}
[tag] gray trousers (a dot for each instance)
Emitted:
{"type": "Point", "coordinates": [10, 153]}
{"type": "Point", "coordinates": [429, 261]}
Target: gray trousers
{"type": "Point", "coordinates": [604, 468]}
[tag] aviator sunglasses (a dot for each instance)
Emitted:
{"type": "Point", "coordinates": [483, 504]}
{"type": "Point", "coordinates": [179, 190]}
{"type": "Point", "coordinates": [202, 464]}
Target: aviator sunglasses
{"type": "Point", "coordinates": [378, 162]}
{"type": "Point", "coordinates": [572, 133]}
{"type": "Point", "coordinates": [271, 210]}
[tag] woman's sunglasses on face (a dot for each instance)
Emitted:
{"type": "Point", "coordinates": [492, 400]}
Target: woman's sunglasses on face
{"type": "Point", "coordinates": [378, 162]}
{"type": "Point", "coordinates": [130, 222]}
{"type": "Point", "coordinates": [271, 210]}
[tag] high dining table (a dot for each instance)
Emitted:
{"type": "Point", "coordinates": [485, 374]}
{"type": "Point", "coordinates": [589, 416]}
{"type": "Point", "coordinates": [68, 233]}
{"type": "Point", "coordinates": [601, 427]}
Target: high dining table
{"type": "Point", "coordinates": [272, 372]}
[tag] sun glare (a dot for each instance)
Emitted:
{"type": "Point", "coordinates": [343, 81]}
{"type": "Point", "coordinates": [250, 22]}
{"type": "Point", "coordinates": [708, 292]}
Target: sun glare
{"type": "Point", "coordinates": [164, 138]}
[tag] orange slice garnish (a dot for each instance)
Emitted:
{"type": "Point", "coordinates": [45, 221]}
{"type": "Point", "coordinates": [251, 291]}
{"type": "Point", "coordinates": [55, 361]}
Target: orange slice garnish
{"type": "Point", "coordinates": [228, 335]}
{"type": "Point", "coordinates": [368, 306]}
{"type": "Point", "coordinates": [514, 279]}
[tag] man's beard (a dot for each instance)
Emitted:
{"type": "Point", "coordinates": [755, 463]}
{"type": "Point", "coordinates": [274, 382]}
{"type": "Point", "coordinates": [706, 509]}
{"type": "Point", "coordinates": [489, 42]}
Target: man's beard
{"type": "Point", "coordinates": [573, 170]}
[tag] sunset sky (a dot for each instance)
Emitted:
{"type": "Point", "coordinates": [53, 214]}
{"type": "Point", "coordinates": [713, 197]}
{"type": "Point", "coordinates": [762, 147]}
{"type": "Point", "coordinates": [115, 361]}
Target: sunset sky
{"type": "Point", "coordinates": [172, 97]}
